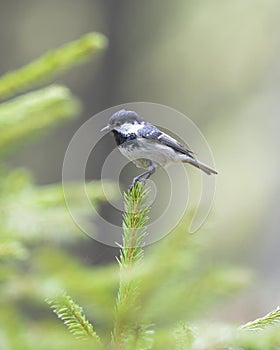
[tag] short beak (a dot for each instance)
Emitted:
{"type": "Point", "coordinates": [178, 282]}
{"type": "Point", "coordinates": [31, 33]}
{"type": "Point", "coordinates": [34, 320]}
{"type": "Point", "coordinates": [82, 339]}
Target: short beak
{"type": "Point", "coordinates": [106, 128]}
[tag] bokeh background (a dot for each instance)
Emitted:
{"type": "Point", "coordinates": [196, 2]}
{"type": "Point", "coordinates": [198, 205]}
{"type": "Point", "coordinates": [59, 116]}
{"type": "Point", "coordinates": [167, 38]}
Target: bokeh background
{"type": "Point", "coordinates": [215, 61]}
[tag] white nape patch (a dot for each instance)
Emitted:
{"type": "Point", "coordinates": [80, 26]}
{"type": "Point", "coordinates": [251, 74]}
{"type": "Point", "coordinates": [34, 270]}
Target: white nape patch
{"type": "Point", "coordinates": [130, 128]}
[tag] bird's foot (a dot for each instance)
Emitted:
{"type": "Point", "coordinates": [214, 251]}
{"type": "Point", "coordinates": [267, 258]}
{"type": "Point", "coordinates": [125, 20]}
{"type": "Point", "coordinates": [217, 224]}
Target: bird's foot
{"type": "Point", "coordinates": [143, 177]}
{"type": "Point", "coordinates": [135, 180]}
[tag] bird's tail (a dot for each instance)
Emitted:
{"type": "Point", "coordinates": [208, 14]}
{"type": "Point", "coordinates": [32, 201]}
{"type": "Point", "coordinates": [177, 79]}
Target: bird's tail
{"type": "Point", "coordinates": [207, 169]}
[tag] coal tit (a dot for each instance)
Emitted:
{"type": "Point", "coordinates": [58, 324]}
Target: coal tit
{"type": "Point", "coordinates": [148, 147]}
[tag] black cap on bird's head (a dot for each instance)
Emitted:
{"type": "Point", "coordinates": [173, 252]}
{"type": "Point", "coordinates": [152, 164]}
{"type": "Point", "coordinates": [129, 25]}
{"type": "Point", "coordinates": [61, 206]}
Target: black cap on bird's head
{"type": "Point", "coordinates": [121, 117]}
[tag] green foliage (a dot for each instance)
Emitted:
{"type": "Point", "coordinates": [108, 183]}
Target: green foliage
{"type": "Point", "coordinates": [271, 319]}
{"type": "Point", "coordinates": [184, 336]}
{"type": "Point", "coordinates": [34, 222]}
{"type": "Point", "coordinates": [43, 208]}
{"type": "Point", "coordinates": [51, 64]}
{"type": "Point", "coordinates": [12, 250]}
{"type": "Point", "coordinates": [135, 304]}
{"type": "Point", "coordinates": [33, 113]}
{"type": "Point", "coordinates": [154, 292]}
{"type": "Point", "coordinates": [134, 221]}
{"type": "Point", "coordinates": [73, 317]}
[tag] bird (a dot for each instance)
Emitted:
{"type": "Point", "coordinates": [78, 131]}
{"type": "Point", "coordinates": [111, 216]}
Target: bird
{"type": "Point", "coordinates": [147, 146]}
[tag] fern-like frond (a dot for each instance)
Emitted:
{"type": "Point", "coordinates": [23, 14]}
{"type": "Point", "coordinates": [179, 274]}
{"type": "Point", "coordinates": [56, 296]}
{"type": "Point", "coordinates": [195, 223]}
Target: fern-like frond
{"type": "Point", "coordinates": [261, 323]}
{"type": "Point", "coordinates": [73, 317]}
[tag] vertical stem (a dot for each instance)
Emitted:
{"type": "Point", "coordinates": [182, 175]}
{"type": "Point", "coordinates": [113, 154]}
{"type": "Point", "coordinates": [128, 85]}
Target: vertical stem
{"type": "Point", "coordinates": [134, 221]}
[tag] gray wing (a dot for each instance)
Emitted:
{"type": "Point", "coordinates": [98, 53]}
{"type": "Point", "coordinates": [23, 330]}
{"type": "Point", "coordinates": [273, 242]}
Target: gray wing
{"type": "Point", "coordinates": [151, 132]}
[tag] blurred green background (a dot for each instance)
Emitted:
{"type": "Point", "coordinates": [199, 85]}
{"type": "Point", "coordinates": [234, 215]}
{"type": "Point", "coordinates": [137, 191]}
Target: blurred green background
{"type": "Point", "coordinates": [215, 61]}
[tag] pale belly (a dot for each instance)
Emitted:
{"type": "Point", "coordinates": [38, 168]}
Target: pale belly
{"type": "Point", "coordinates": [143, 152]}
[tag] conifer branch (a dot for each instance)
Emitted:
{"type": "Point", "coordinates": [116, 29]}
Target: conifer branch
{"type": "Point", "coordinates": [35, 111]}
{"type": "Point", "coordinates": [184, 336]}
{"type": "Point", "coordinates": [73, 317]}
{"type": "Point", "coordinates": [134, 221]}
{"type": "Point", "coordinates": [270, 319]}
{"type": "Point", "coordinates": [51, 64]}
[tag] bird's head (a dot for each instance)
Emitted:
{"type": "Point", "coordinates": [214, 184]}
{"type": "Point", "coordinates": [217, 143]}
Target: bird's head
{"type": "Point", "coordinates": [121, 119]}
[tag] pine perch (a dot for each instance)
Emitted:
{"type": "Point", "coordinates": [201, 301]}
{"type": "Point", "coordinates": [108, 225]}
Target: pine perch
{"type": "Point", "coordinates": [134, 221]}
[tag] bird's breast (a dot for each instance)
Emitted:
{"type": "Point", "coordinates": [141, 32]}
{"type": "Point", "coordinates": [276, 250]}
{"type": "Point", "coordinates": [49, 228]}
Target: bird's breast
{"type": "Point", "coordinates": [140, 148]}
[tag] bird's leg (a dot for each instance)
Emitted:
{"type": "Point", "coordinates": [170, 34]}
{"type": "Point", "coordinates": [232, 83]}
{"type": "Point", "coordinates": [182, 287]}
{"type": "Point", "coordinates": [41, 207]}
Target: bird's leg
{"type": "Point", "coordinates": [144, 176]}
